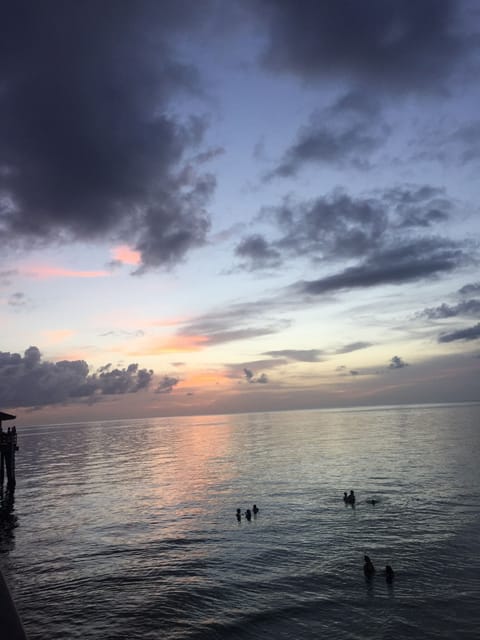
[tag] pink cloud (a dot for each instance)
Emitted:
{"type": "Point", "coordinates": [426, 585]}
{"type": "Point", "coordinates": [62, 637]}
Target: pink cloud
{"type": "Point", "coordinates": [45, 272]}
{"type": "Point", "coordinates": [125, 254]}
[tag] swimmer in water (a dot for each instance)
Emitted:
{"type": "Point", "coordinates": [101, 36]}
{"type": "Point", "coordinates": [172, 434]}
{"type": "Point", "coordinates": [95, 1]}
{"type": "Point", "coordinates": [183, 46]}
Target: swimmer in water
{"type": "Point", "coordinates": [248, 514]}
{"type": "Point", "coordinates": [368, 568]}
{"type": "Point", "coordinates": [255, 509]}
{"type": "Point", "coordinates": [239, 515]}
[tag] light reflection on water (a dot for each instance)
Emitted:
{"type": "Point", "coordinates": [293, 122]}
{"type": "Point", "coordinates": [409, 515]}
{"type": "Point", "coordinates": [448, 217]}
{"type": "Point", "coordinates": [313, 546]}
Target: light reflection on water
{"type": "Point", "coordinates": [128, 530]}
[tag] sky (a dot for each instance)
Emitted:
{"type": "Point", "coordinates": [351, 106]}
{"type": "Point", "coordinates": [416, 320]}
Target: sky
{"type": "Point", "coordinates": [216, 206]}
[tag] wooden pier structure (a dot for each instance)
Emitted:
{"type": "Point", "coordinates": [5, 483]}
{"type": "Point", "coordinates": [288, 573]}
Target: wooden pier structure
{"type": "Point", "coordinates": [8, 448]}
{"type": "Point", "coordinates": [11, 627]}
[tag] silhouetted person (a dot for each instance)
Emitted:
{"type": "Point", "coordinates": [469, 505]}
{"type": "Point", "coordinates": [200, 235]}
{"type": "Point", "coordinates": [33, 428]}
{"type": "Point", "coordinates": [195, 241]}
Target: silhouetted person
{"type": "Point", "coordinates": [351, 497]}
{"type": "Point", "coordinates": [345, 497]}
{"type": "Point", "coordinates": [255, 509]}
{"type": "Point", "coordinates": [239, 515]}
{"type": "Point", "coordinates": [248, 514]}
{"type": "Point", "coordinates": [389, 574]}
{"type": "Point", "coordinates": [368, 568]}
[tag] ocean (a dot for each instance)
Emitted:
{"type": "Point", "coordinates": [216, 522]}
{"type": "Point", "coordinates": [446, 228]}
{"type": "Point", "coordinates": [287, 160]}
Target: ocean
{"type": "Point", "coordinates": [127, 529]}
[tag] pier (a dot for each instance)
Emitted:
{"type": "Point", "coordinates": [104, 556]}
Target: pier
{"type": "Point", "coordinates": [10, 623]}
{"type": "Point", "coordinates": [8, 448]}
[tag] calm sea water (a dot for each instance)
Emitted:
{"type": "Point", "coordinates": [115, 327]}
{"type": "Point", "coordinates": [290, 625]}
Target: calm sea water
{"type": "Point", "coordinates": [128, 529]}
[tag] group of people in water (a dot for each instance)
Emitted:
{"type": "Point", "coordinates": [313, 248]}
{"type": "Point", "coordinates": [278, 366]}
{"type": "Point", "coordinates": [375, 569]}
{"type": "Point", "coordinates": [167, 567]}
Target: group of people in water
{"type": "Point", "coordinates": [248, 513]}
{"type": "Point", "coordinates": [350, 499]}
{"type": "Point", "coordinates": [369, 570]}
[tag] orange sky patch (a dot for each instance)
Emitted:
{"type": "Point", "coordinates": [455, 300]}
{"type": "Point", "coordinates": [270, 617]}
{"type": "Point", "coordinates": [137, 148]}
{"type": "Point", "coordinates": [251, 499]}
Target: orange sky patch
{"type": "Point", "coordinates": [55, 337]}
{"type": "Point", "coordinates": [168, 322]}
{"type": "Point", "coordinates": [205, 379]}
{"type": "Point", "coordinates": [125, 254]}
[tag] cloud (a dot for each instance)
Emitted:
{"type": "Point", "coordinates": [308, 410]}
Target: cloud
{"type": "Point", "coordinates": [216, 327]}
{"type": "Point", "coordinates": [470, 289]}
{"type": "Point", "coordinates": [397, 265]}
{"type": "Point", "coordinates": [121, 333]}
{"type": "Point", "coordinates": [18, 300]}
{"type": "Point", "coordinates": [471, 333]}
{"type": "Point", "coordinates": [6, 277]}
{"type": "Point", "coordinates": [353, 346]}
{"type": "Point", "coordinates": [250, 377]}
{"type": "Point", "coordinates": [337, 225]}
{"type": "Point", "coordinates": [46, 272]}
{"type": "Point", "coordinates": [90, 145]}
{"type": "Point", "coordinates": [30, 382]}
{"type": "Point", "coordinates": [345, 133]}
{"type": "Point", "coordinates": [301, 355]}
{"type": "Point", "coordinates": [466, 307]}
{"type": "Point", "coordinates": [391, 45]}
{"type": "Point", "coordinates": [397, 363]}
{"type": "Point", "coordinates": [166, 384]}
{"type": "Point", "coordinates": [416, 206]}
{"type": "Point", "coordinates": [259, 254]}
{"type": "Point", "coordinates": [126, 255]}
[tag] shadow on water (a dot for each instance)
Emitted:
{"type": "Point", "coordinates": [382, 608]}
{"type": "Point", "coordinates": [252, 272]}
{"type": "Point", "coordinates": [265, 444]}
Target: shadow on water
{"type": "Point", "coordinates": [8, 520]}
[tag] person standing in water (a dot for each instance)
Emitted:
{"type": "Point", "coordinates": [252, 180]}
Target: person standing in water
{"type": "Point", "coordinates": [389, 574]}
{"type": "Point", "coordinates": [368, 568]}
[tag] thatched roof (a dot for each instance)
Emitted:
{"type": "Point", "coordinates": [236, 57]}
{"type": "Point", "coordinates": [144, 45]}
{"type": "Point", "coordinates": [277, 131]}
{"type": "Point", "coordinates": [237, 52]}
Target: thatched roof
{"type": "Point", "coordinates": [6, 416]}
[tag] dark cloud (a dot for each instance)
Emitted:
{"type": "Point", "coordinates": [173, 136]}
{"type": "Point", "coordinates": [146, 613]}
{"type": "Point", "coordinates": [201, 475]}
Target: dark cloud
{"type": "Point", "coordinates": [301, 355]}
{"type": "Point", "coordinates": [344, 134]}
{"type": "Point", "coordinates": [250, 377]}
{"type": "Point", "coordinates": [29, 382]}
{"type": "Point", "coordinates": [166, 384]}
{"type": "Point", "coordinates": [395, 45]}
{"type": "Point", "coordinates": [470, 289]}
{"type": "Point", "coordinates": [89, 146]}
{"type": "Point", "coordinates": [353, 346]}
{"type": "Point", "coordinates": [420, 259]}
{"type": "Point", "coordinates": [397, 363]}
{"type": "Point", "coordinates": [467, 139]}
{"type": "Point", "coordinates": [466, 307]}
{"type": "Point", "coordinates": [338, 226]}
{"type": "Point", "coordinates": [471, 333]}
{"type": "Point", "coordinates": [258, 253]}
{"type": "Point", "coordinates": [417, 206]}
{"type": "Point", "coordinates": [248, 374]}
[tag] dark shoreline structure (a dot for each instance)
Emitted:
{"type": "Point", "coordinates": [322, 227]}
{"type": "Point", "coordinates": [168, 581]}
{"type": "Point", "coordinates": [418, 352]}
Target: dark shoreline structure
{"type": "Point", "coordinates": [10, 623]}
{"type": "Point", "coordinates": [8, 448]}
